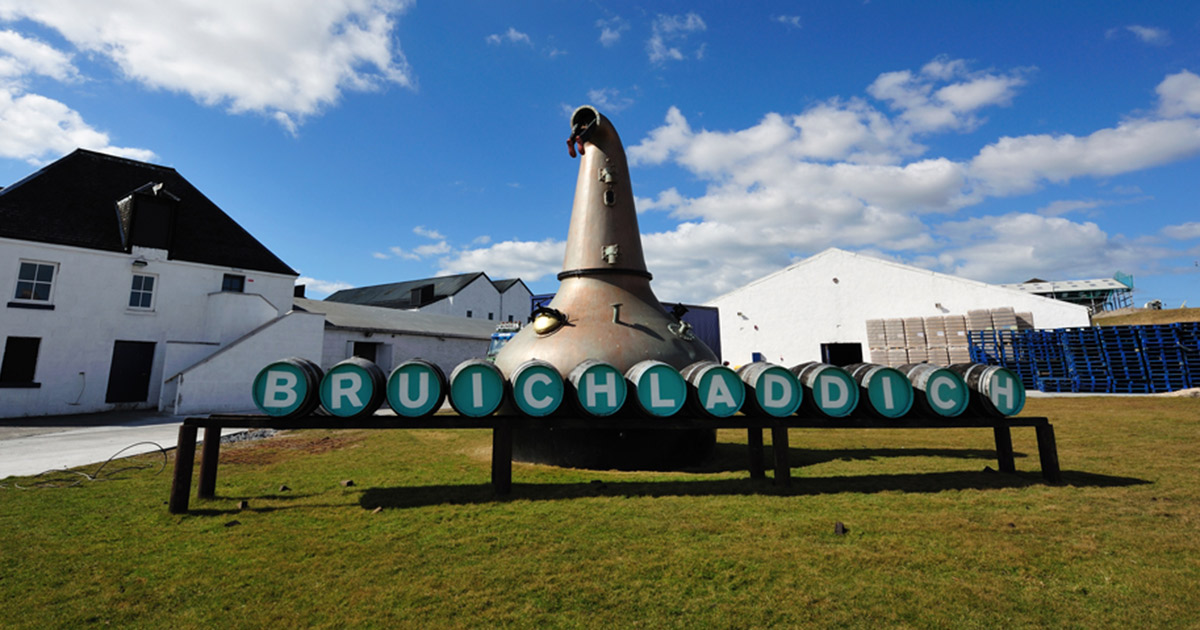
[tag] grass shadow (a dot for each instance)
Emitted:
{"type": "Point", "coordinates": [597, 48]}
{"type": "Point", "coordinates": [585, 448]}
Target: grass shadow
{"type": "Point", "coordinates": [729, 457]}
{"type": "Point", "coordinates": [422, 496]}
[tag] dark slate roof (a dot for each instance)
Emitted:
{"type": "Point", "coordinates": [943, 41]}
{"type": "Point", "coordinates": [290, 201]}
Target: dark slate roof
{"type": "Point", "coordinates": [388, 320]}
{"type": "Point", "coordinates": [73, 201]}
{"type": "Point", "coordinates": [401, 294]}
{"type": "Point", "coordinates": [504, 285]}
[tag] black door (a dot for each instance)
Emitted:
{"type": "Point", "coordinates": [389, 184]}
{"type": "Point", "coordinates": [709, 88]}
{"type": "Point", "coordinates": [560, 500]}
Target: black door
{"type": "Point", "coordinates": [841, 354]}
{"type": "Point", "coordinates": [129, 375]}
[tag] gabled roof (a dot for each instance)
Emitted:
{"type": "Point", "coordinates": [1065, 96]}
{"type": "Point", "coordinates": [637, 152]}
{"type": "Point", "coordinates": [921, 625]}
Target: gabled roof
{"type": "Point", "coordinates": [504, 285]}
{"type": "Point", "coordinates": [74, 201]}
{"type": "Point", "coordinates": [410, 294]}
{"type": "Point", "coordinates": [390, 320]}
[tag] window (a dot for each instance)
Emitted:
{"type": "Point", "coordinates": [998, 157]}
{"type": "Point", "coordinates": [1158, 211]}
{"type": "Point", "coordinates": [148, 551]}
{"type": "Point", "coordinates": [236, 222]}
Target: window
{"type": "Point", "coordinates": [468, 313]}
{"type": "Point", "coordinates": [490, 315]}
{"type": "Point", "coordinates": [141, 294]}
{"type": "Point", "coordinates": [35, 281]}
{"type": "Point", "coordinates": [234, 283]}
{"type": "Point", "coordinates": [20, 361]}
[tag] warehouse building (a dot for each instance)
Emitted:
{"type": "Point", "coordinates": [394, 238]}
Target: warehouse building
{"type": "Point", "coordinates": [818, 309]}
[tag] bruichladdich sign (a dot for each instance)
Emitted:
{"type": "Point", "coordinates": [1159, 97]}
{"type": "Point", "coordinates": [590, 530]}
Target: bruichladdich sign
{"type": "Point", "coordinates": [476, 389]}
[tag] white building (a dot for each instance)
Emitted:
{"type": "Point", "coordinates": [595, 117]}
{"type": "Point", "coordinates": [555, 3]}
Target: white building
{"type": "Point", "coordinates": [472, 295]}
{"type": "Point", "coordinates": [119, 274]}
{"type": "Point", "coordinates": [789, 316]}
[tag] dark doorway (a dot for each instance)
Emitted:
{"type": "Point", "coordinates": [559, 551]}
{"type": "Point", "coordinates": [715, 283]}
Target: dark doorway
{"type": "Point", "coordinates": [129, 375]}
{"type": "Point", "coordinates": [841, 354]}
{"type": "Point", "coordinates": [366, 350]}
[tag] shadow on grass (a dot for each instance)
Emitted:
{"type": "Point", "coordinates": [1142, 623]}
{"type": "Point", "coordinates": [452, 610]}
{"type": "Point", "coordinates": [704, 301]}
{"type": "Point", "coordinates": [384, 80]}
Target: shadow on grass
{"type": "Point", "coordinates": [421, 496]}
{"type": "Point", "coordinates": [729, 457]}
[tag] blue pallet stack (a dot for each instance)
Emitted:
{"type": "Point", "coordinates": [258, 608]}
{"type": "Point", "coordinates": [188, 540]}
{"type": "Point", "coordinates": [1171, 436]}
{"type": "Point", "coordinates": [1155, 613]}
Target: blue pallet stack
{"type": "Point", "coordinates": [1051, 373]}
{"type": "Point", "coordinates": [1123, 352]}
{"type": "Point", "coordinates": [1188, 335]}
{"type": "Point", "coordinates": [1016, 355]}
{"type": "Point", "coordinates": [984, 347]}
{"type": "Point", "coordinates": [1166, 368]}
{"type": "Point", "coordinates": [1086, 360]}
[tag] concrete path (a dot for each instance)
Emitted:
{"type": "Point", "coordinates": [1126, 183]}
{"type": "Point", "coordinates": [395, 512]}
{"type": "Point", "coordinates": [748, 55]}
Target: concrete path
{"type": "Point", "coordinates": [29, 446]}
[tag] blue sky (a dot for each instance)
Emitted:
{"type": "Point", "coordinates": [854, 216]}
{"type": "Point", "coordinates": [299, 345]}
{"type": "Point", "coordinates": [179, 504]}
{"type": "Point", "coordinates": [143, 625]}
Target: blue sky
{"type": "Point", "coordinates": [372, 141]}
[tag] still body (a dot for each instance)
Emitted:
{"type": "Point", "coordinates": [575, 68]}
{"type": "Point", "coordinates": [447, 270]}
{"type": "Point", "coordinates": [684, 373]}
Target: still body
{"type": "Point", "coordinates": [476, 389]}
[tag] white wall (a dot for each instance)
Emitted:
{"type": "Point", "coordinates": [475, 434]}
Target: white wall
{"type": "Point", "coordinates": [445, 352]}
{"type": "Point", "coordinates": [90, 300]}
{"type": "Point", "coordinates": [223, 381]}
{"type": "Point", "coordinates": [828, 299]}
{"type": "Point", "coordinates": [515, 303]}
{"type": "Point", "coordinates": [480, 297]}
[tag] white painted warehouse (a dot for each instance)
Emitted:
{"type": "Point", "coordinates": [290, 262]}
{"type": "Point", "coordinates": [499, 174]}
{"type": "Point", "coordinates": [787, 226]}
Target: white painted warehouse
{"type": "Point", "coordinates": [788, 317]}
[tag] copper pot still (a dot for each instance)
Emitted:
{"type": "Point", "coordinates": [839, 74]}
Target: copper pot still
{"type": "Point", "coordinates": [605, 310]}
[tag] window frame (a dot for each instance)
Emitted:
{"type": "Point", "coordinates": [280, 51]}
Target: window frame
{"type": "Point", "coordinates": [230, 276]}
{"type": "Point", "coordinates": [38, 265]}
{"type": "Point", "coordinates": [153, 292]}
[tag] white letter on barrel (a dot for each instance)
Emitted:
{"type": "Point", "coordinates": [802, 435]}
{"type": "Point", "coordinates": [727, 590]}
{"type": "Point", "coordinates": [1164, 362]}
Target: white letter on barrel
{"type": "Point", "coordinates": [347, 386]}
{"type": "Point", "coordinates": [280, 383]}
{"type": "Point", "coordinates": [776, 383]}
{"type": "Point", "coordinates": [477, 386]}
{"type": "Point", "coordinates": [719, 394]}
{"type": "Point", "coordinates": [827, 383]}
{"type": "Point", "coordinates": [937, 384]}
{"type": "Point", "coordinates": [609, 388]}
{"type": "Point", "coordinates": [1005, 390]}
{"type": "Point", "coordinates": [422, 390]}
{"type": "Point", "coordinates": [655, 400]}
{"type": "Point", "coordinates": [888, 401]}
{"type": "Point", "coordinates": [537, 403]}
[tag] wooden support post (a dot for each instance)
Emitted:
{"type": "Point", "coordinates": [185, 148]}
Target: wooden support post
{"type": "Point", "coordinates": [502, 456]}
{"type": "Point", "coordinates": [209, 455]}
{"type": "Point", "coordinates": [1048, 453]}
{"type": "Point", "coordinates": [779, 447]}
{"type": "Point", "coordinates": [1004, 449]}
{"type": "Point", "coordinates": [185, 457]}
{"type": "Point", "coordinates": [754, 442]}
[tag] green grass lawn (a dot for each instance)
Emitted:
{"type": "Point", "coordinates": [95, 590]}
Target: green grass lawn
{"type": "Point", "coordinates": [935, 538]}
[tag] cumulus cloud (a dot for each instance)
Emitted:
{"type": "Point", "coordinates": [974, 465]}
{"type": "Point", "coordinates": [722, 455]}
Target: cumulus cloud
{"type": "Point", "coordinates": [843, 173]}
{"type": "Point", "coordinates": [1149, 34]}
{"type": "Point", "coordinates": [611, 30]}
{"type": "Point", "coordinates": [788, 20]}
{"type": "Point", "coordinates": [421, 230]}
{"type": "Point", "coordinates": [529, 260]}
{"type": "Point", "coordinates": [669, 35]}
{"type": "Point", "coordinates": [511, 36]}
{"type": "Point", "coordinates": [288, 60]}
{"type": "Point", "coordinates": [609, 100]}
{"type": "Point", "coordinates": [35, 128]}
{"type": "Point", "coordinates": [1183, 232]}
{"type": "Point", "coordinates": [21, 56]}
{"type": "Point", "coordinates": [1179, 95]}
{"type": "Point", "coordinates": [316, 289]}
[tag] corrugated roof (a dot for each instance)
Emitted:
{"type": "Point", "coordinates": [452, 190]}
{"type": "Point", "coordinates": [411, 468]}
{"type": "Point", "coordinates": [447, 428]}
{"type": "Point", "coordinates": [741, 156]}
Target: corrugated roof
{"type": "Point", "coordinates": [400, 294]}
{"type": "Point", "coordinates": [73, 201]}
{"type": "Point", "coordinates": [1041, 288]}
{"type": "Point", "coordinates": [390, 320]}
{"type": "Point", "coordinates": [504, 285]}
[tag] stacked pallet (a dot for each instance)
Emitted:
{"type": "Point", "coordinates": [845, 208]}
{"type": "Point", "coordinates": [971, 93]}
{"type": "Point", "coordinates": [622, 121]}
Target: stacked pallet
{"type": "Point", "coordinates": [979, 319]}
{"type": "Point", "coordinates": [897, 339]}
{"type": "Point", "coordinates": [877, 341]}
{"type": "Point", "coordinates": [957, 345]}
{"type": "Point", "coordinates": [1164, 355]}
{"type": "Point", "coordinates": [1025, 321]}
{"type": "Point", "coordinates": [1003, 318]}
{"type": "Point", "coordinates": [1085, 359]}
{"type": "Point", "coordinates": [1124, 357]}
{"type": "Point", "coordinates": [1049, 362]}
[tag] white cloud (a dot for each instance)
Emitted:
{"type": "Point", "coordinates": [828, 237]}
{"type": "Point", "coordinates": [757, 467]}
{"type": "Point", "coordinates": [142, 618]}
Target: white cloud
{"type": "Point", "coordinates": [845, 174]}
{"type": "Point", "coordinates": [288, 60]}
{"type": "Point", "coordinates": [315, 289]}
{"type": "Point", "coordinates": [1179, 95]}
{"type": "Point", "coordinates": [35, 128]}
{"type": "Point", "coordinates": [20, 56]}
{"type": "Point", "coordinates": [512, 36]}
{"type": "Point", "coordinates": [421, 230]}
{"type": "Point", "coordinates": [1183, 232]}
{"type": "Point", "coordinates": [1017, 165]}
{"type": "Point", "coordinates": [609, 100]}
{"type": "Point", "coordinates": [433, 249]}
{"type": "Point", "coordinates": [611, 30]}
{"type": "Point", "coordinates": [788, 20]}
{"type": "Point", "coordinates": [528, 260]}
{"type": "Point", "coordinates": [1150, 34]}
{"type": "Point", "coordinates": [669, 32]}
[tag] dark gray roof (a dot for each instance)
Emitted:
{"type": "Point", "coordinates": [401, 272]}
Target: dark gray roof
{"type": "Point", "coordinates": [504, 285]}
{"type": "Point", "coordinates": [389, 320]}
{"type": "Point", "coordinates": [410, 294]}
{"type": "Point", "coordinates": [75, 201]}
